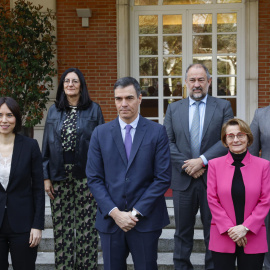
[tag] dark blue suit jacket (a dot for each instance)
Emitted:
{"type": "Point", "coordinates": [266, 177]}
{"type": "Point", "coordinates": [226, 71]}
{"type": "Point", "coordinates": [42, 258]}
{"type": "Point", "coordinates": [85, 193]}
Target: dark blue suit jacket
{"type": "Point", "coordinates": [140, 182]}
{"type": "Point", "coordinates": [25, 196]}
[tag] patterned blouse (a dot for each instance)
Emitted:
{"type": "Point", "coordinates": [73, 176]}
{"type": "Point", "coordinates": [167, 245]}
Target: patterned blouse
{"type": "Point", "coordinates": [69, 130]}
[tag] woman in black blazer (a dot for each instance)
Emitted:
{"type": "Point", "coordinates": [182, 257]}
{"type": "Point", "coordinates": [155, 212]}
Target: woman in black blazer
{"type": "Point", "coordinates": [22, 202]}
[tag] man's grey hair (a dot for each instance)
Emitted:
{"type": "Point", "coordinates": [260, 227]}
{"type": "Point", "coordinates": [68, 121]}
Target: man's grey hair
{"type": "Point", "coordinates": [198, 65]}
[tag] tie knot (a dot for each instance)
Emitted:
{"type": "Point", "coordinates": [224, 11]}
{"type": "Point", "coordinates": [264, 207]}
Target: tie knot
{"type": "Point", "coordinates": [197, 103]}
{"type": "Point", "coordinates": [128, 128]}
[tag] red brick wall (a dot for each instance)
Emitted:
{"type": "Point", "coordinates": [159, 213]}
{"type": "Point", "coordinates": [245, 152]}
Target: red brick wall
{"type": "Point", "coordinates": [264, 53]}
{"type": "Point", "coordinates": [93, 50]}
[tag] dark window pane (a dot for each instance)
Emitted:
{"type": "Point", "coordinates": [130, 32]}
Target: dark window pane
{"type": "Point", "coordinates": [175, 85]}
{"type": "Point", "coordinates": [226, 86]}
{"type": "Point", "coordinates": [166, 102]}
{"type": "Point", "coordinates": [149, 108]}
{"type": "Point", "coordinates": [233, 104]}
{"type": "Point", "coordinates": [149, 86]}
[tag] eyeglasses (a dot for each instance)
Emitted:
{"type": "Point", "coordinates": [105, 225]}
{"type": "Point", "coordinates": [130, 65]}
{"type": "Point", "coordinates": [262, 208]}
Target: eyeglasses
{"type": "Point", "coordinates": [67, 81]}
{"type": "Point", "coordinates": [240, 136]}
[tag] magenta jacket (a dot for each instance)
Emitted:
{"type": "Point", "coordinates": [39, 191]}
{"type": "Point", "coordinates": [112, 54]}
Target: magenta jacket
{"type": "Point", "coordinates": [256, 177]}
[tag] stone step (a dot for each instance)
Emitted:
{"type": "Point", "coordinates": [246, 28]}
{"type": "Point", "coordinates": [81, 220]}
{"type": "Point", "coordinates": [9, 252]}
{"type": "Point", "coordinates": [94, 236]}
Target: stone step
{"type": "Point", "coordinates": [45, 261]}
{"type": "Point", "coordinates": [198, 222]}
{"type": "Point", "coordinates": [166, 241]}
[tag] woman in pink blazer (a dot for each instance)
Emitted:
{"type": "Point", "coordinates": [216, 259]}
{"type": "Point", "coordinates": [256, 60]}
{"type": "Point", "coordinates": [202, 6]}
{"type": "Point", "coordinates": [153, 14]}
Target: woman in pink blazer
{"type": "Point", "coordinates": [238, 192]}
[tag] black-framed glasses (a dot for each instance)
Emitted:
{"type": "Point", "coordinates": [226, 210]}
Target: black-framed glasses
{"type": "Point", "coordinates": [240, 136]}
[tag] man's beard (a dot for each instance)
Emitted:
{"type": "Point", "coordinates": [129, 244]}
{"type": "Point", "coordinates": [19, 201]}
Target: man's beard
{"type": "Point", "coordinates": [198, 96]}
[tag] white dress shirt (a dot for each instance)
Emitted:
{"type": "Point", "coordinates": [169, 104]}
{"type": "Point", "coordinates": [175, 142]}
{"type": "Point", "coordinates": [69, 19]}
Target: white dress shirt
{"type": "Point", "coordinates": [5, 165]}
{"type": "Point", "coordinates": [202, 108]}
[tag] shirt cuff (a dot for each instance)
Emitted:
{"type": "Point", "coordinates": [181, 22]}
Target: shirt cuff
{"type": "Point", "coordinates": [205, 161]}
{"type": "Point", "coordinates": [138, 211]}
{"type": "Point", "coordinates": [111, 211]}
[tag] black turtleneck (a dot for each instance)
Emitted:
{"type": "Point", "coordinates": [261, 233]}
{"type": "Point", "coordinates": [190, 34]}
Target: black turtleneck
{"type": "Point", "coordinates": [238, 188]}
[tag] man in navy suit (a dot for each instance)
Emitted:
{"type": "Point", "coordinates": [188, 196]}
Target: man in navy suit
{"type": "Point", "coordinates": [129, 185]}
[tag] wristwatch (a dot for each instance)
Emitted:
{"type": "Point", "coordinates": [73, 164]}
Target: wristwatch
{"type": "Point", "coordinates": [134, 213]}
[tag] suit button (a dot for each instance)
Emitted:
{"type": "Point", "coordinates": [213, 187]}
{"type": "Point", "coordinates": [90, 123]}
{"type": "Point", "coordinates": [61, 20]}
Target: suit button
{"type": "Point", "coordinates": [124, 196]}
{"type": "Point", "coordinates": [127, 179]}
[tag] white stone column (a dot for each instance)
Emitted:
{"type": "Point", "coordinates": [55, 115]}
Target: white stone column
{"type": "Point", "coordinates": [123, 38]}
{"type": "Point", "coordinates": [252, 58]}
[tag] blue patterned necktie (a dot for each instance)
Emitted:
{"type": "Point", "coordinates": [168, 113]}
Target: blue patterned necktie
{"type": "Point", "coordinates": [128, 140]}
{"type": "Point", "coordinates": [195, 132]}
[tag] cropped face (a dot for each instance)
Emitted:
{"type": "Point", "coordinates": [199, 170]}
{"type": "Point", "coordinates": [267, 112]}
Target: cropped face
{"type": "Point", "coordinates": [197, 83]}
{"type": "Point", "coordinates": [127, 103]}
{"type": "Point", "coordinates": [7, 120]}
{"type": "Point", "coordinates": [72, 85]}
{"type": "Point", "coordinates": [236, 140]}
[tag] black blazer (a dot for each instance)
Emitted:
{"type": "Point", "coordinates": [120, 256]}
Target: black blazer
{"type": "Point", "coordinates": [25, 196]}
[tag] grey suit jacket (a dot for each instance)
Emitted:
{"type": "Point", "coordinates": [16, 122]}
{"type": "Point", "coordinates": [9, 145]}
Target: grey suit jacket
{"type": "Point", "coordinates": [260, 128]}
{"type": "Point", "coordinates": [217, 112]}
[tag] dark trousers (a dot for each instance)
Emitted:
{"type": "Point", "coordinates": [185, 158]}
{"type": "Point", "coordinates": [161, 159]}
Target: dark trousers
{"type": "Point", "coordinates": [186, 205]}
{"type": "Point", "coordinates": [226, 261]}
{"type": "Point", "coordinates": [267, 255]}
{"type": "Point", "coordinates": [23, 257]}
{"type": "Point", "coordinates": [142, 246]}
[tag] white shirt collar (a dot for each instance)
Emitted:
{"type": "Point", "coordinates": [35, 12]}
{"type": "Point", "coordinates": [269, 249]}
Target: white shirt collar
{"type": "Point", "coordinates": [192, 101]}
{"type": "Point", "coordinates": [133, 124]}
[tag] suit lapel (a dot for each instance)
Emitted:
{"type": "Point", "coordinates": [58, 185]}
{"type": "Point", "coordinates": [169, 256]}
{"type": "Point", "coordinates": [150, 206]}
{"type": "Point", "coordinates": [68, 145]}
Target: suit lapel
{"type": "Point", "coordinates": [209, 112]}
{"type": "Point", "coordinates": [184, 116]}
{"type": "Point", "coordinates": [15, 155]}
{"type": "Point", "coordinates": [118, 139]}
{"type": "Point", "coordinates": [139, 134]}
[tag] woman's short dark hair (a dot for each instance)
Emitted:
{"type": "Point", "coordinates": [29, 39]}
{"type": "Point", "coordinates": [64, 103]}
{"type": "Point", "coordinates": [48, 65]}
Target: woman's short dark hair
{"type": "Point", "coordinates": [243, 126]}
{"type": "Point", "coordinates": [61, 102]}
{"type": "Point", "coordinates": [15, 109]}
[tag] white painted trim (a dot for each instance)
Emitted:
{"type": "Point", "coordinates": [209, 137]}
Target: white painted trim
{"type": "Point", "coordinates": [123, 38]}
{"type": "Point", "coordinates": [188, 10]}
{"type": "Point", "coordinates": [252, 57]}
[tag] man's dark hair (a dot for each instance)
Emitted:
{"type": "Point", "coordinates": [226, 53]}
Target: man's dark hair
{"type": "Point", "coordinates": [126, 81]}
{"type": "Point", "coordinates": [15, 109]}
{"type": "Point", "coordinates": [61, 102]}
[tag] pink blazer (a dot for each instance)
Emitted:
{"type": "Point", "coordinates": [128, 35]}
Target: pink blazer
{"type": "Point", "coordinates": [256, 177]}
